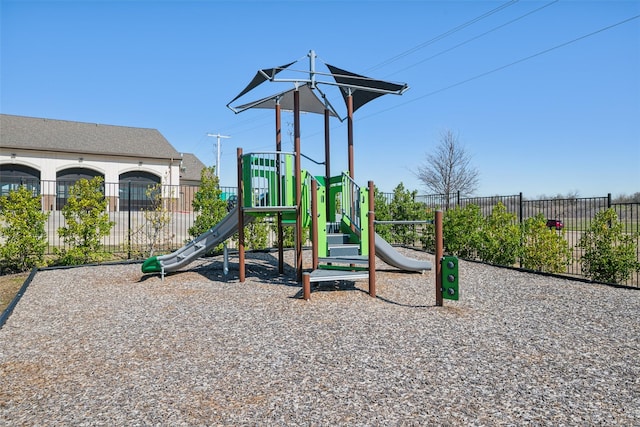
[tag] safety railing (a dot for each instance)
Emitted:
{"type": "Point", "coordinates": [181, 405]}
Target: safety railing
{"type": "Point", "coordinates": [351, 206]}
{"type": "Point", "coordinates": [268, 181]}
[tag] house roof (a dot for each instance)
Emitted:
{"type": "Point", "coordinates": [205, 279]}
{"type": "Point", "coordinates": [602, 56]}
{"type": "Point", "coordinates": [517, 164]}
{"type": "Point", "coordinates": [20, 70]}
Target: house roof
{"type": "Point", "coordinates": [33, 133]}
{"type": "Point", "coordinates": [191, 168]}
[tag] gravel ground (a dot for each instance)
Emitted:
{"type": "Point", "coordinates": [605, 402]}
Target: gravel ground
{"type": "Point", "coordinates": [106, 345]}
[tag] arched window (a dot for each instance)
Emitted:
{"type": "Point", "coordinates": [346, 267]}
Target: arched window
{"type": "Point", "coordinates": [133, 190]}
{"type": "Point", "coordinates": [13, 176]}
{"type": "Point", "coordinates": [66, 178]}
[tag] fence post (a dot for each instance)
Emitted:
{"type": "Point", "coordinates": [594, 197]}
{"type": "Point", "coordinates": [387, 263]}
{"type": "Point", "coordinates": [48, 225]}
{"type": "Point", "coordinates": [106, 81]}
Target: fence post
{"type": "Point", "coordinates": [520, 213]}
{"type": "Point", "coordinates": [129, 220]}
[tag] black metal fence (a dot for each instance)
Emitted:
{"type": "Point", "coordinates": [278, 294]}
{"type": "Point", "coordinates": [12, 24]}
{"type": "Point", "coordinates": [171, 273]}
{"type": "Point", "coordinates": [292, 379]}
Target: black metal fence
{"type": "Point", "coordinates": [576, 214]}
{"type": "Point", "coordinates": [136, 230]}
{"type": "Point", "coordinates": [145, 215]}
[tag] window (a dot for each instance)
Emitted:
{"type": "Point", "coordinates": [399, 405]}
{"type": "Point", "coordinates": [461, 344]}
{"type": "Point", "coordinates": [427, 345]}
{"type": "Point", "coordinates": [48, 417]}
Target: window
{"type": "Point", "coordinates": [66, 178]}
{"type": "Point", "coordinates": [13, 176]}
{"type": "Point", "coordinates": [133, 190]}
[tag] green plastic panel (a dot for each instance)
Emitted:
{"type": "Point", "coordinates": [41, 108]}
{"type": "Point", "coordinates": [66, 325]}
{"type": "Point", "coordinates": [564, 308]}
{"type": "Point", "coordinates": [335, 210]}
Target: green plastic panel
{"type": "Point", "coordinates": [450, 278]}
{"type": "Point", "coordinates": [364, 221]}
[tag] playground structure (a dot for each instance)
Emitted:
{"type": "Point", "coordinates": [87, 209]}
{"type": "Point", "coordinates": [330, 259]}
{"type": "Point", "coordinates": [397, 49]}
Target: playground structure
{"type": "Point", "coordinates": [338, 212]}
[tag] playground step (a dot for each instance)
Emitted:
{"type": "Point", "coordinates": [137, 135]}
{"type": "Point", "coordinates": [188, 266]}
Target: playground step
{"type": "Point", "coordinates": [337, 238]}
{"type": "Point", "coordinates": [332, 275]}
{"type": "Point", "coordinates": [344, 250]}
{"type": "Point", "coordinates": [357, 260]}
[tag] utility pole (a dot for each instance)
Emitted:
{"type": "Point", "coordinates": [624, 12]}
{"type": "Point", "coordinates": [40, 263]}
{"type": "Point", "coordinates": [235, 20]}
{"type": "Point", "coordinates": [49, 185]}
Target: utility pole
{"type": "Point", "coordinates": [218, 136]}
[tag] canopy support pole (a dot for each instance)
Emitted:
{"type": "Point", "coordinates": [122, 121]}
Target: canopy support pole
{"type": "Point", "coordinates": [298, 172]}
{"type": "Point", "coordinates": [327, 157]}
{"type": "Point", "coordinates": [279, 174]}
{"type": "Point", "coordinates": [350, 133]}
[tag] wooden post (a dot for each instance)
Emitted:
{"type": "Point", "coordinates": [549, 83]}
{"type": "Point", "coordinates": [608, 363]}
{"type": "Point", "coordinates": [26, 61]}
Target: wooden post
{"type": "Point", "coordinates": [280, 195]}
{"type": "Point", "coordinates": [306, 286]}
{"type": "Point", "coordinates": [298, 172]}
{"type": "Point", "coordinates": [239, 204]}
{"type": "Point", "coordinates": [327, 158]}
{"type": "Point", "coordinates": [439, 255]}
{"type": "Point", "coordinates": [372, 242]}
{"type": "Point", "coordinates": [350, 134]}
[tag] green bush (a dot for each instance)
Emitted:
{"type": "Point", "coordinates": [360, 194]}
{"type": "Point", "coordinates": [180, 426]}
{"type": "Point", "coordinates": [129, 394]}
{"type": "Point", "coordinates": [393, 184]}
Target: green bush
{"type": "Point", "coordinates": [403, 207]}
{"type": "Point", "coordinates": [256, 234]}
{"type": "Point", "coordinates": [288, 234]}
{"type": "Point", "coordinates": [499, 237]}
{"type": "Point", "coordinates": [23, 231]}
{"type": "Point", "coordinates": [87, 222]}
{"type": "Point", "coordinates": [382, 213]}
{"type": "Point", "coordinates": [609, 255]}
{"type": "Point", "coordinates": [153, 234]}
{"type": "Point", "coordinates": [428, 234]}
{"type": "Point", "coordinates": [461, 230]}
{"type": "Point", "coordinates": [208, 204]}
{"type": "Point", "coordinates": [543, 248]}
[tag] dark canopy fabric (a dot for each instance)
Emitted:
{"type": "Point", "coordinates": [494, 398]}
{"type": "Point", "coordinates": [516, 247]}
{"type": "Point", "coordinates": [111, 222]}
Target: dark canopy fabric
{"type": "Point", "coordinates": [363, 89]}
{"type": "Point", "coordinates": [309, 102]}
{"type": "Point", "coordinates": [261, 77]}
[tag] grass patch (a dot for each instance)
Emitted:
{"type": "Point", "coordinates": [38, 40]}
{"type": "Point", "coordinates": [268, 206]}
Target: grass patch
{"type": "Point", "coordinates": [9, 286]}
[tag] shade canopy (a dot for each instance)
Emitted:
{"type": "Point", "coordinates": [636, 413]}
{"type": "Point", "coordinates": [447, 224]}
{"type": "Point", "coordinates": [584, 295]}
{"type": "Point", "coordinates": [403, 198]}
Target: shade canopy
{"type": "Point", "coordinates": [261, 77]}
{"type": "Point", "coordinates": [309, 102]}
{"type": "Point", "coordinates": [362, 89]}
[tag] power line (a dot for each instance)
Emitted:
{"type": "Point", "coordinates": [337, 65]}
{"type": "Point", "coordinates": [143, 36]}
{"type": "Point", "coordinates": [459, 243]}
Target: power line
{"type": "Point", "coordinates": [478, 76]}
{"type": "Point", "coordinates": [443, 35]}
{"type": "Point", "coordinates": [474, 38]}
{"type": "Point", "coordinates": [486, 73]}
{"type": "Point", "coordinates": [408, 52]}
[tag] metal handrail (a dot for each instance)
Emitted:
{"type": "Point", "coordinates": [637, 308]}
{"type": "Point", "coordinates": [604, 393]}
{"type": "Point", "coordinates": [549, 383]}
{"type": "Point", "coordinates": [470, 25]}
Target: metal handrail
{"type": "Point", "coordinates": [351, 200]}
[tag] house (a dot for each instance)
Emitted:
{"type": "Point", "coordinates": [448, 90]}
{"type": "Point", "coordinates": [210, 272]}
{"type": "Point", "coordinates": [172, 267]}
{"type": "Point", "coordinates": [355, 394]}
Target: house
{"type": "Point", "coordinates": [50, 155]}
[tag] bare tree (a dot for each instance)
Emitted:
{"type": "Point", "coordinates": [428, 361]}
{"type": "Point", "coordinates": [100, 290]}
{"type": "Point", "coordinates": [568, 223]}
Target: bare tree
{"type": "Point", "coordinates": [448, 169]}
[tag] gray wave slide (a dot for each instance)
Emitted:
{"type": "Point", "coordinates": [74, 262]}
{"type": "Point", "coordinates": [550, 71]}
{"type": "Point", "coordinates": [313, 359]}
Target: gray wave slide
{"type": "Point", "coordinates": [203, 243]}
{"type": "Point", "coordinates": [388, 254]}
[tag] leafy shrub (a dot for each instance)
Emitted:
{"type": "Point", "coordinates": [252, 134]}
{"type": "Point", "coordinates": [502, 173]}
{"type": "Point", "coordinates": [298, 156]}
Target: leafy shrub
{"type": "Point", "coordinates": [256, 234]}
{"type": "Point", "coordinates": [543, 248]}
{"type": "Point", "coordinates": [382, 213]}
{"type": "Point", "coordinates": [153, 233]}
{"type": "Point", "coordinates": [208, 203]}
{"type": "Point", "coordinates": [403, 207]}
{"type": "Point", "coordinates": [23, 230]}
{"type": "Point", "coordinates": [87, 222]}
{"type": "Point", "coordinates": [461, 230]}
{"type": "Point", "coordinates": [428, 237]}
{"type": "Point", "coordinates": [288, 234]}
{"type": "Point", "coordinates": [609, 255]}
{"type": "Point", "coordinates": [499, 237]}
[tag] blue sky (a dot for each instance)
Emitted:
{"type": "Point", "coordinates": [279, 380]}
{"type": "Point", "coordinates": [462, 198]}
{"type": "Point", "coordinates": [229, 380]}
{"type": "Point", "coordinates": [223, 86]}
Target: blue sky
{"type": "Point", "coordinates": [567, 119]}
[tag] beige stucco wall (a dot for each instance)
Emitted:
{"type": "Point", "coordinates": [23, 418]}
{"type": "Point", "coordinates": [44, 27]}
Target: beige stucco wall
{"type": "Point", "coordinates": [50, 163]}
